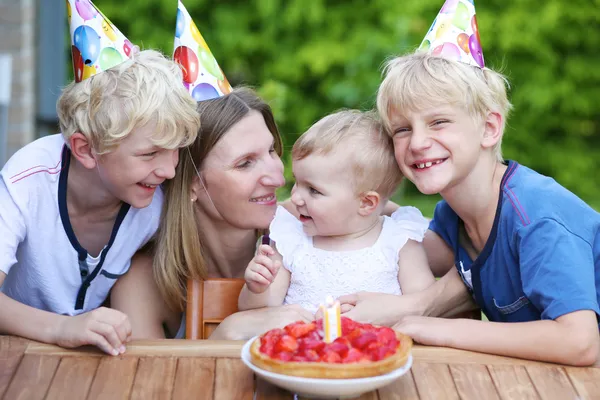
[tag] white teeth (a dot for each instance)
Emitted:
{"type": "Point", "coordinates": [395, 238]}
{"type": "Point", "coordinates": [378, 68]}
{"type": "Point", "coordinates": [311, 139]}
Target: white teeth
{"type": "Point", "coordinates": [428, 164]}
{"type": "Point", "coordinates": [265, 198]}
{"type": "Point", "coordinates": [148, 186]}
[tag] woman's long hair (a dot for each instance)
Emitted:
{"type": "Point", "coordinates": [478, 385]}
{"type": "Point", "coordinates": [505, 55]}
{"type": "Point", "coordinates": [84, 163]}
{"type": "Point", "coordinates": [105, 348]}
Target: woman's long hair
{"type": "Point", "coordinates": [179, 250]}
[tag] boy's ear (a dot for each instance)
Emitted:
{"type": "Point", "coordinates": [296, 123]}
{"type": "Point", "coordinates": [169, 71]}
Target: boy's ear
{"type": "Point", "coordinates": [81, 148]}
{"type": "Point", "coordinates": [492, 132]}
{"type": "Point", "coordinates": [369, 202]}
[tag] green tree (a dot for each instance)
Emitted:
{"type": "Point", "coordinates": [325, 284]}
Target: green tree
{"type": "Point", "coordinates": [311, 57]}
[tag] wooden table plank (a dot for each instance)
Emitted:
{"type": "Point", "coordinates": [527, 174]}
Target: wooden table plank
{"type": "Point", "coordinates": [372, 395]}
{"type": "Point", "coordinates": [434, 381]}
{"type": "Point", "coordinates": [551, 382]}
{"type": "Point", "coordinates": [512, 382]}
{"type": "Point", "coordinates": [232, 349]}
{"type": "Point", "coordinates": [194, 378]}
{"type": "Point", "coordinates": [267, 391]}
{"type": "Point", "coordinates": [233, 380]}
{"type": "Point", "coordinates": [473, 382]}
{"type": "Point", "coordinates": [586, 381]}
{"type": "Point", "coordinates": [32, 377]}
{"type": "Point", "coordinates": [74, 377]}
{"type": "Point", "coordinates": [157, 347]}
{"type": "Point", "coordinates": [11, 351]}
{"type": "Point", "coordinates": [154, 378]}
{"type": "Point", "coordinates": [113, 379]}
{"type": "Point", "coordinates": [403, 388]}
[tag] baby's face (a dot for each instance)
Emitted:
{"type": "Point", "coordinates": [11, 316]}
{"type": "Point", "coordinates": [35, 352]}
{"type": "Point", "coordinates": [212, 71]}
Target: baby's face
{"type": "Point", "coordinates": [324, 195]}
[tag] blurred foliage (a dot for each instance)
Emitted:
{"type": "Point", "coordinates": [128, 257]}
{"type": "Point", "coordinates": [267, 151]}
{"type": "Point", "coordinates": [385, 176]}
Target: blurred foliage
{"type": "Point", "coordinates": [311, 57]}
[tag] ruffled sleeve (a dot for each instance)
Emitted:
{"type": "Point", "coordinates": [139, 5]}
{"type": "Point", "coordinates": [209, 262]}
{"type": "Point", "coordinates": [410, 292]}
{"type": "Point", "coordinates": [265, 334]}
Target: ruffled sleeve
{"type": "Point", "coordinates": [287, 233]}
{"type": "Point", "coordinates": [406, 223]}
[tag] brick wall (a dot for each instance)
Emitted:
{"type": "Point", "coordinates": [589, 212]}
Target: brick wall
{"type": "Point", "coordinates": [17, 33]}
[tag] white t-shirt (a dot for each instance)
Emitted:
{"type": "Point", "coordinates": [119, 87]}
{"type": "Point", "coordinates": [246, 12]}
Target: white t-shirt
{"type": "Point", "coordinates": [46, 266]}
{"type": "Point", "coordinates": [317, 273]}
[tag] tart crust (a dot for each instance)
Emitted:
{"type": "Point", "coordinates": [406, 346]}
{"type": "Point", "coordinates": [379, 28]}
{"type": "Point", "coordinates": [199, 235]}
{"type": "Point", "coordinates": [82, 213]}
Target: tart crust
{"type": "Point", "coordinates": [361, 369]}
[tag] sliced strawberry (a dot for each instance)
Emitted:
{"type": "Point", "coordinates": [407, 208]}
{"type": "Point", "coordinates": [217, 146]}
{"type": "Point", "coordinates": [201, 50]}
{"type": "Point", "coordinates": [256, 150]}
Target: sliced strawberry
{"type": "Point", "coordinates": [286, 343]}
{"type": "Point", "coordinates": [311, 355]}
{"type": "Point", "coordinates": [331, 357]}
{"type": "Point", "coordinates": [299, 358]}
{"type": "Point", "coordinates": [371, 347]}
{"type": "Point", "coordinates": [354, 355]}
{"type": "Point", "coordinates": [314, 335]}
{"type": "Point", "coordinates": [300, 329]}
{"type": "Point", "coordinates": [283, 356]}
{"type": "Point", "coordinates": [354, 334]}
{"type": "Point", "coordinates": [311, 344]}
{"type": "Point", "coordinates": [348, 325]}
{"type": "Point", "coordinates": [364, 339]}
{"type": "Point", "coordinates": [381, 353]}
{"type": "Point", "coordinates": [385, 335]}
{"type": "Point", "coordinates": [339, 347]}
{"type": "Point", "coordinates": [267, 348]}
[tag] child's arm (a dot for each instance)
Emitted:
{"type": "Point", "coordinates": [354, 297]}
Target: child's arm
{"type": "Point", "coordinates": [266, 282]}
{"type": "Point", "coordinates": [439, 254]}
{"type": "Point", "coordinates": [571, 339]}
{"type": "Point", "coordinates": [446, 297]}
{"type": "Point", "coordinates": [138, 296]}
{"type": "Point", "coordinates": [414, 274]}
{"type": "Point", "coordinates": [105, 328]}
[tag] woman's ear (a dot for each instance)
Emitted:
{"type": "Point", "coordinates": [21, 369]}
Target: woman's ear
{"type": "Point", "coordinates": [82, 150]}
{"type": "Point", "coordinates": [492, 132]}
{"type": "Point", "coordinates": [369, 203]}
{"type": "Point", "coordinates": [197, 188]}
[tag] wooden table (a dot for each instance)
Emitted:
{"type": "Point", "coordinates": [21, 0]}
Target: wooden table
{"type": "Point", "coordinates": [180, 369]}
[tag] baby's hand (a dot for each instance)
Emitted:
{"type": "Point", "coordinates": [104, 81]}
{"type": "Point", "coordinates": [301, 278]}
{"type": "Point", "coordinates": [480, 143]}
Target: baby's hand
{"type": "Point", "coordinates": [262, 270]}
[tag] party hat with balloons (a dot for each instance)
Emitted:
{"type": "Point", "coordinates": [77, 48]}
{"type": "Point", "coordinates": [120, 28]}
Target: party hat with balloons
{"type": "Point", "coordinates": [454, 34]}
{"type": "Point", "coordinates": [201, 74]}
{"type": "Point", "coordinates": [96, 44]}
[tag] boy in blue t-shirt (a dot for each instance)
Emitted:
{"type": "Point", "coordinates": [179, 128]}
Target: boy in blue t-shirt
{"type": "Point", "coordinates": [526, 249]}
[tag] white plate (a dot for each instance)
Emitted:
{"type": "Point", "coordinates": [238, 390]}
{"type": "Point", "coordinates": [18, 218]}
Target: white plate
{"type": "Point", "coordinates": [324, 388]}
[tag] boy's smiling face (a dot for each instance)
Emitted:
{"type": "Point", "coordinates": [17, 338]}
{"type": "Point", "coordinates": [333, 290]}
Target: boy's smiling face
{"type": "Point", "coordinates": [438, 147]}
{"type": "Point", "coordinates": [134, 170]}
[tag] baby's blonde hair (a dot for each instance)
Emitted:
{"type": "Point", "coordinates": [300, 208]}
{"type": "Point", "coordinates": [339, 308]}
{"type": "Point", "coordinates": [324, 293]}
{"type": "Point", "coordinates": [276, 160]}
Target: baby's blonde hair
{"type": "Point", "coordinates": [106, 107]}
{"type": "Point", "coordinates": [420, 80]}
{"type": "Point", "coordinates": [361, 138]}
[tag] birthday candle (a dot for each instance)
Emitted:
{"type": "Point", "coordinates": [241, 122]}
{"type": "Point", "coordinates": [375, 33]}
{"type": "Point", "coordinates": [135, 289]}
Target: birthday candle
{"type": "Point", "coordinates": [332, 325]}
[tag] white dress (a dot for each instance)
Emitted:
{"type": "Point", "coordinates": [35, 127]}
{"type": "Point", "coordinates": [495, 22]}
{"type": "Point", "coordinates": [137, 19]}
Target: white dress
{"type": "Point", "coordinates": [317, 273]}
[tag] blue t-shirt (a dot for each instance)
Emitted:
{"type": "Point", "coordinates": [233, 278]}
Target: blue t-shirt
{"type": "Point", "coordinates": [542, 258]}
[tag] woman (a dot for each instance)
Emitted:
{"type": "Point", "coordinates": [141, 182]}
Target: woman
{"type": "Point", "coordinates": [221, 199]}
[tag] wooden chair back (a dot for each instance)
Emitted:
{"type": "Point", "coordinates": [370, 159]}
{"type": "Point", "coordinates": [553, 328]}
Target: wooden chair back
{"type": "Point", "coordinates": [209, 302]}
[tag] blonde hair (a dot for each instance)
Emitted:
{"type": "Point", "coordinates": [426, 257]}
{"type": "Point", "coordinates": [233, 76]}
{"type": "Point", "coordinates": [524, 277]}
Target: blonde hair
{"type": "Point", "coordinates": [179, 251]}
{"type": "Point", "coordinates": [360, 136]}
{"type": "Point", "coordinates": [108, 106]}
{"type": "Point", "coordinates": [420, 80]}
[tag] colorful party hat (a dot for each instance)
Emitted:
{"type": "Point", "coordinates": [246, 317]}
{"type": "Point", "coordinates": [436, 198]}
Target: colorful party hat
{"type": "Point", "coordinates": [454, 34]}
{"type": "Point", "coordinates": [201, 74]}
{"type": "Point", "coordinates": [96, 44]}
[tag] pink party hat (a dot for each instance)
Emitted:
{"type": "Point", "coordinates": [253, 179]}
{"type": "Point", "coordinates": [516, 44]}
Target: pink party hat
{"type": "Point", "coordinates": [454, 34]}
{"type": "Point", "coordinates": [96, 44]}
{"type": "Point", "coordinates": [201, 74]}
